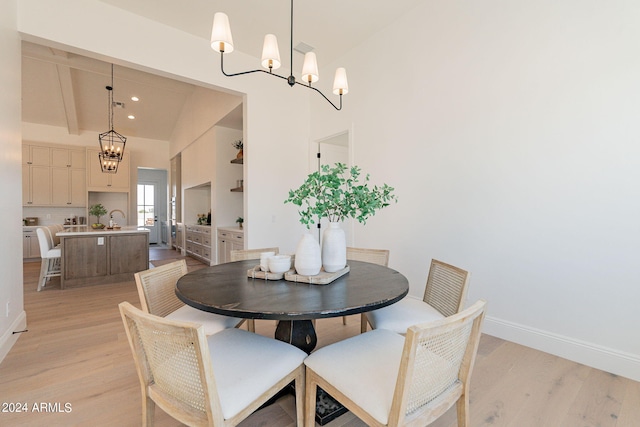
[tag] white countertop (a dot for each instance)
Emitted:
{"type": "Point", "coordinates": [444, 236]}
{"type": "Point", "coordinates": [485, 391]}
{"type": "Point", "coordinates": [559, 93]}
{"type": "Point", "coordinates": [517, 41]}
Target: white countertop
{"type": "Point", "coordinates": [232, 228]}
{"type": "Point", "coordinates": [84, 231]}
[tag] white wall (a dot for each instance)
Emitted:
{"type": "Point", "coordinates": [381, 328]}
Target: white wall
{"type": "Point", "coordinates": [11, 286]}
{"type": "Point", "coordinates": [510, 132]}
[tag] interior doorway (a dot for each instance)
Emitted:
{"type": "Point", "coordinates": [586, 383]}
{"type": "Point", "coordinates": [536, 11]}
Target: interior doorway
{"type": "Point", "coordinates": [151, 204]}
{"type": "Point", "coordinates": [332, 150]}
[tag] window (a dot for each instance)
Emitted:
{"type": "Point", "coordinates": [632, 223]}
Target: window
{"type": "Point", "coordinates": [146, 205]}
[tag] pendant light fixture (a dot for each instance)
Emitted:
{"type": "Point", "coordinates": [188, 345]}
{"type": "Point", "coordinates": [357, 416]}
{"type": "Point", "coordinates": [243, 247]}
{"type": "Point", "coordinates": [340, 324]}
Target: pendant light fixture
{"type": "Point", "coordinates": [111, 142]}
{"type": "Point", "coordinates": [222, 41]}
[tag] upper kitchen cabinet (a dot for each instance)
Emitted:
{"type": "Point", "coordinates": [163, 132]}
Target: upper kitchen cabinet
{"type": "Point", "coordinates": [53, 176]}
{"type": "Point", "coordinates": [36, 155]}
{"type": "Point", "coordinates": [100, 181]}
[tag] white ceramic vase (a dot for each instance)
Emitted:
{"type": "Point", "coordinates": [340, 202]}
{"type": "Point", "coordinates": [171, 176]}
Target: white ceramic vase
{"type": "Point", "coordinates": [334, 248]}
{"type": "Point", "coordinates": [308, 261]}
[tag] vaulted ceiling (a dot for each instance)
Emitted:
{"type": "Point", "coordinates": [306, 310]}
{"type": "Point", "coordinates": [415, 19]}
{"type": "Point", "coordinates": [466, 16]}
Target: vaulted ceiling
{"type": "Point", "coordinates": [68, 90]}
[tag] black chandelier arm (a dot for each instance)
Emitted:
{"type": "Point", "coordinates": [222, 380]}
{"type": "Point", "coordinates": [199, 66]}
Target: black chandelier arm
{"type": "Point", "coordinates": [244, 72]}
{"type": "Point", "coordinates": [289, 80]}
{"type": "Point", "coordinates": [323, 95]}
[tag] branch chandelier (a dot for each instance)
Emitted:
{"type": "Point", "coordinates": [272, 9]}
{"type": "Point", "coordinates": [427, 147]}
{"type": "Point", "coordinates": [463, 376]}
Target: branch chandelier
{"type": "Point", "coordinates": [111, 142]}
{"type": "Point", "coordinates": [221, 41]}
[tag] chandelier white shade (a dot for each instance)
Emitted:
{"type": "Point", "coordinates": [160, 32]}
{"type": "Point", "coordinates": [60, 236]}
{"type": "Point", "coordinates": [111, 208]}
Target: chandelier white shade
{"type": "Point", "coordinates": [270, 53]}
{"type": "Point", "coordinates": [222, 42]}
{"type": "Point", "coordinates": [340, 84]}
{"type": "Point", "coordinates": [221, 39]}
{"type": "Point", "coordinates": [310, 68]}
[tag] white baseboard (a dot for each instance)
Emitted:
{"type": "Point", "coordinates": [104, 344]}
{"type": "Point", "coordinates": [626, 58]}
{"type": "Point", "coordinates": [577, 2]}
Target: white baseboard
{"type": "Point", "coordinates": [8, 339]}
{"type": "Point", "coordinates": [599, 357]}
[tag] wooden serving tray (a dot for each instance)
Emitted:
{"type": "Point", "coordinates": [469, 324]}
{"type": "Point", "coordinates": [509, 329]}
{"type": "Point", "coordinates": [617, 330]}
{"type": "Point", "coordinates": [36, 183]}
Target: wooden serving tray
{"type": "Point", "coordinates": [322, 278]}
{"type": "Point", "coordinates": [257, 273]}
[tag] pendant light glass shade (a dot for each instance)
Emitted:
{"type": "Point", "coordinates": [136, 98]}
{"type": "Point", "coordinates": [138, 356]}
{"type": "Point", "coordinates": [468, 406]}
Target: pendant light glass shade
{"type": "Point", "coordinates": [270, 52]}
{"type": "Point", "coordinates": [310, 68]}
{"type": "Point", "coordinates": [221, 39]}
{"type": "Point", "coordinates": [340, 84]}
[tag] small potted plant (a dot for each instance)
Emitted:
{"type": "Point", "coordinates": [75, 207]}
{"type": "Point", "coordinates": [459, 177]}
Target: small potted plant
{"type": "Point", "coordinates": [239, 221]}
{"type": "Point", "coordinates": [337, 193]}
{"type": "Point", "coordinates": [238, 146]}
{"type": "Point", "coordinates": [97, 210]}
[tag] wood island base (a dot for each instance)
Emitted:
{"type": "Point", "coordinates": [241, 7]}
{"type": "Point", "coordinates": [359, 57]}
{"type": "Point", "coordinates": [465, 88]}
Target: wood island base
{"type": "Point", "coordinates": [102, 256]}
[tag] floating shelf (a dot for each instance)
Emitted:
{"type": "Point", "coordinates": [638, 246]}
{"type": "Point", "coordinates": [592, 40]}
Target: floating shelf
{"type": "Point", "coordinates": [238, 161]}
{"type": "Point", "coordinates": [237, 189]}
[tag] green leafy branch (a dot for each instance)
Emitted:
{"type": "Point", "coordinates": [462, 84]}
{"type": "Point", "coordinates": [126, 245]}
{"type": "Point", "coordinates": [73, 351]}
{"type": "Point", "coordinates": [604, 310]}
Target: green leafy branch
{"type": "Point", "coordinates": [335, 194]}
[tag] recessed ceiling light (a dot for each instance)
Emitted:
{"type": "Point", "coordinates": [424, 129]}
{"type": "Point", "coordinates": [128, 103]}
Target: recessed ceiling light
{"type": "Point", "coordinates": [135, 98]}
{"type": "Point", "coordinates": [131, 116]}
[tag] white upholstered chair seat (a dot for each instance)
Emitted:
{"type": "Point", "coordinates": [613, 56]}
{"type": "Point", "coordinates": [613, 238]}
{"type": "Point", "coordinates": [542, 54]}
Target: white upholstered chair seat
{"type": "Point", "coordinates": [50, 256]}
{"type": "Point", "coordinates": [203, 380]}
{"type": "Point", "coordinates": [364, 368]}
{"type": "Point", "coordinates": [156, 290]}
{"type": "Point", "coordinates": [246, 365]}
{"type": "Point", "coordinates": [444, 295]}
{"type": "Point", "coordinates": [403, 314]}
{"type": "Point", "coordinates": [54, 253]}
{"type": "Point", "coordinates": [212, 323]}
{"type": "Point", "coordinates": [389, 380]}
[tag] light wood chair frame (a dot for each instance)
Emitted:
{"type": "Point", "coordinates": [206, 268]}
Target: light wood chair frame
{"type": "Point", "coordinates": [246, 254]}
{"type": "Point", "coordinates": [155, 298]}
{"type": "Point", "coordinates": [446, 289]}
{"type": "Point", "coordinates": [192, 339]}
{"type": "Point", "coordinates": [458, 394]}
{"type": "Point", "coordinates": [375, 256]}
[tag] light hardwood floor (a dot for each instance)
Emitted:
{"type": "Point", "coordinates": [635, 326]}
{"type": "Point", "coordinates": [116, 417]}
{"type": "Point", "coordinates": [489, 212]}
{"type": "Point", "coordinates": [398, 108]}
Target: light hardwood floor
{"type": "Point", "coordinates": [75, 352]}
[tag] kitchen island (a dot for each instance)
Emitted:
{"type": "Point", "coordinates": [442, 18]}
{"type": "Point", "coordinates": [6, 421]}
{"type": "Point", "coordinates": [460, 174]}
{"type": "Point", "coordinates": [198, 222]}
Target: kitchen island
{"type": "Point", "coordinates": [93, 257]}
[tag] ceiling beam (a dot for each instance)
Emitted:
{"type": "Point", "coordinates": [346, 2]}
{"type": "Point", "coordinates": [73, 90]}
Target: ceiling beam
{"type": "Point", "coordinates": [68, 99]}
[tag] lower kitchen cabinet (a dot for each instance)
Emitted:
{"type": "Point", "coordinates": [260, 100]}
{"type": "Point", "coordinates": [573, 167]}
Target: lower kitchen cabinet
{"type": "Point", "coordinates": [198, 242]}
{"type": "Point", "coordinates": [229, 239]}
{"type": "Point", "coordinates": [30, 245]}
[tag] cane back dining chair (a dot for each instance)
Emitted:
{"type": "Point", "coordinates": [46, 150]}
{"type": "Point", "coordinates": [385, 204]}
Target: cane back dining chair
{"type": "Point", "coordinates": [156, 289]}
{"type": "Point", "coordinates": [215, 380]}
{"type": "Point", "coordinates": [375, 256]}
{"type": "Point", "coordinates": [417, 378]}
{"type": "Point", "coordinates": [50, 255]}
{"type": "Point", "coordinates": [245, 254]}
{"type": "Point", "coordinates": [444, 295]}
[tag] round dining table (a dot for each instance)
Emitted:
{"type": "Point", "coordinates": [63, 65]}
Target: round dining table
{"type": "Point", "coordinates": [227, 289]}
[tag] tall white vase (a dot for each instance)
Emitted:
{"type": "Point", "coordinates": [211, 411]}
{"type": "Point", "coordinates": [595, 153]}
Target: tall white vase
{"type": "Point", "coordinates": [308, 261]}
{"type": "Point", "coordinates": [334, 248]}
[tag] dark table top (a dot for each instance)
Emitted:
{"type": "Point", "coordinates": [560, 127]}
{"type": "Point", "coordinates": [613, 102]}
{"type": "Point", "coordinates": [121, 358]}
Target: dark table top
{"type": "Point", "coordinates": [226, 289]}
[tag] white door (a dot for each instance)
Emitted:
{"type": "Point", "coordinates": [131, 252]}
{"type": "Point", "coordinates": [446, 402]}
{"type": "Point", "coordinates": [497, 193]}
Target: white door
{"type": "Point", "coordinates": [146, 209]}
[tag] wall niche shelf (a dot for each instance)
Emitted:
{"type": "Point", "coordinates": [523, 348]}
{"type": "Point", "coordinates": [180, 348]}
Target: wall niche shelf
{"type": "Point", "coordinates": [239, 161]}
{"type": "Point", "coordinates": [237, 190]}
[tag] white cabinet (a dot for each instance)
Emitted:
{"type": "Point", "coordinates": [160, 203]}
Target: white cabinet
{"type": "Point", "coordinates": [198, 242]}
{"type": "Point", "coordinates": [53, 176]}
{"type": "Point", "coordinates": [68, 178]}
{"type": "Point", "coordinates": [30, 245]}
{"type": "Point", "coordinates": [36, 185]}
{"type": "Point", "coordinates": [229, 239]}
{"type": "Point", "coordinates": [179, 243]}
{"type": "Point", "coordinates": [100, 181]}
{"type": "Point", "coordinates": [36, 155]}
